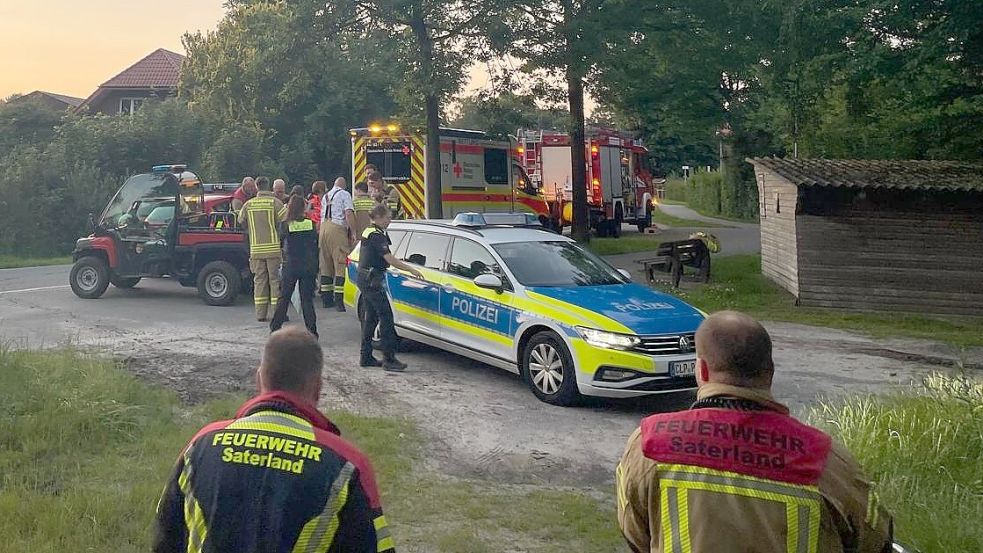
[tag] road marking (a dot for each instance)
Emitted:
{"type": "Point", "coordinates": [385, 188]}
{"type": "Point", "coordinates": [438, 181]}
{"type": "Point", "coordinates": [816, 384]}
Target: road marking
{"type": "Point", "coordinates": [34, 289]}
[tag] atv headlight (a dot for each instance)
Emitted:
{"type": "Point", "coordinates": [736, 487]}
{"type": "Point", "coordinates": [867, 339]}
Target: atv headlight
{"type": "Point", "coordinates": [612, 340]}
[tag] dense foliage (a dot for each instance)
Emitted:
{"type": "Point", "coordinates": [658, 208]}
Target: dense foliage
{"type": "Point", "coordinates": [276, 86]}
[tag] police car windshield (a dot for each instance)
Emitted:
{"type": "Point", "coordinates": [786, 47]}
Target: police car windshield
{"type": "Point", "coordinates": [554, 264]}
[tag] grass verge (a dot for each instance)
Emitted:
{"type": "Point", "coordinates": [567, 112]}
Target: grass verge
{"type": "Point", "coordinates": [659, 216]}
{"type": "Point", "coordinates": [13, 261]}
{"type": "Point", "coordinates": [925, 451]}
{"type": "Point", "coordinates": [737, 283]}
{"type": "Point", "coordinates": [85, 450]}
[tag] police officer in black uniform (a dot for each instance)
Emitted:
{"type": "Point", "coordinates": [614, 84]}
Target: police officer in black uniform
{"type": "Point", "coordinates": [298, 237]}
{"type": "Point", "coordinates": [374, 259]}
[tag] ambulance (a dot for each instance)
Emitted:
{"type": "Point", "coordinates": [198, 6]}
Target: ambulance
{"type": "Point", "coordinates": [476, 174]}
{"type": "Point", "coordinates": [619, 180]}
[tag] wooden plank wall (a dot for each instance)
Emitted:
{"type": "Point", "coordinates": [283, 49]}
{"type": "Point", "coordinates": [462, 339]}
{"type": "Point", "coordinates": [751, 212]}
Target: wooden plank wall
{"type": "Point", "coordinates": [878, 258]}
{"type": "Point", "coordinates": [777, 200]}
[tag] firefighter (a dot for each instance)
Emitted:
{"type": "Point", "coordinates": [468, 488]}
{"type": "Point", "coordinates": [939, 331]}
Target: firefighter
{"type": "Point", "coordinates": [374, 259]}
{"type": "Point", "coordinates": [736, 471]}
{"type": "Point", "coordinates": [299, 239]}
{"type": "Point", "coordinates": [260, 217]}
{"type": "Point", "coordinates": [384, 193]}
{"type": "Point", "coordinates": [276, 478]}
{"type": "Point", "coordinates": [336, 243]}
{"type": "Point", "coordinates": [244, 193]}
{"type": "Point", "coordinates": [363, 205]}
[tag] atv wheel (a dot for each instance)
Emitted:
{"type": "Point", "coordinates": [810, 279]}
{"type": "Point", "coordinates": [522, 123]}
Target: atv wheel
{"type": "Point", "coordinates": [124, 283]}
{"type": "Point", "coordinates": [89, 277]}
{"type": "Point", "coordinates": [218, 283]}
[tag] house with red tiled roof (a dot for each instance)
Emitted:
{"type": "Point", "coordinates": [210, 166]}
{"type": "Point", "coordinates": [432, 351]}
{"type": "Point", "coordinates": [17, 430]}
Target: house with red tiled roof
{"type": "Point", "coordinates": [155, 76]}
{"type": "Point", "coordinates": [49, 99]}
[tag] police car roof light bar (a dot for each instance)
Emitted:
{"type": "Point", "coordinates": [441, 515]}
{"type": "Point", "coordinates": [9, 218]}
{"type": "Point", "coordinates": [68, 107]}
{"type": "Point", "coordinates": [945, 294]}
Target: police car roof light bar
{"type": "Point", "coordinates": [469, 220]}
{"type": "Point", "coordinates": [170, 168]}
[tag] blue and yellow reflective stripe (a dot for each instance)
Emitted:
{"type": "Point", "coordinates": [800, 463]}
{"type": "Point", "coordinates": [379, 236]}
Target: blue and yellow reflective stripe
{"type": "Point", "coordinates": [318, 534]}
{"type": "Point", "coordinates": [568, 313]}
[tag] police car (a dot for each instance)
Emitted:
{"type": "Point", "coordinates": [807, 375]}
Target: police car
{"type": "Point", "coordinates": [511, 294]}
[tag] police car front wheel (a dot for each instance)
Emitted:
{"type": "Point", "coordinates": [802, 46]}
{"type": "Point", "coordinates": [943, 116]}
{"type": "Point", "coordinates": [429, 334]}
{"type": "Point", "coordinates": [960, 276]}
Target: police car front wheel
{"type": "Point", "coordinates": [548, 369]}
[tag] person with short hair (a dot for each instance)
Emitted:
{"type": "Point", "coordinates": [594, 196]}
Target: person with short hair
{"type": "Point", "coordinates": [246, 191]}
{"type": "Point", "coordinates": [260, 217]}
{"type": "Point", "coordinates": [374, 259]}
{"type": "Point", "coordinates": [280, 190]}
{"type": "Point", "coordinates": [336, 243]}
{"type": "Point", "coordinates": [276, 478]}
{"type": "Point", "coordinates": [318, 188]}
{"type": "Point", "coordinates": [737, 472]}
{"type": "Point", "coordinates": [300, 257]}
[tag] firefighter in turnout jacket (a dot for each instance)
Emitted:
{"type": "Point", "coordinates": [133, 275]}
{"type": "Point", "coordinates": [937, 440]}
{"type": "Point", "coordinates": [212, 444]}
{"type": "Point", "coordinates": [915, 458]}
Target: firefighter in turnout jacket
{"type": "Point", "coordinates": [278, 477]}
{"type": "Point", "coordinates": [363, 205]}
{"type": "Point", "coordinates": [260, 217]}
{"type": "Point", "coordinates": [335, 241]}
{"type": "Point", "coordinates": [736, 472]}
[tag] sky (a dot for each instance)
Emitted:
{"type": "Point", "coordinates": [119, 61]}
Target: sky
{"type": "Point", "coordinates": [72, 46]}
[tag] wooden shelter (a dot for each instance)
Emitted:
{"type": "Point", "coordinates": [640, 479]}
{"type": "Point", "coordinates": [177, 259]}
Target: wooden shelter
{"type": "Point", "coordinates": [874, 235]}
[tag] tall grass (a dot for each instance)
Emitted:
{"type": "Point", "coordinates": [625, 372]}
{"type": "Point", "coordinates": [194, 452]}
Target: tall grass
{"type": "Point", "coordinates": [925, 451]}
{"type": "Point", "coordinates": [85, 450]}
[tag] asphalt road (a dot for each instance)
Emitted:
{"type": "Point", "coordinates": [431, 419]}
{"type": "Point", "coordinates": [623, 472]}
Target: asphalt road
{"type": "Point", "coordinates": [479, 421]}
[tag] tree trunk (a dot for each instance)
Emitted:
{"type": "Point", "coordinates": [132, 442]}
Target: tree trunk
{"type": "Point", "coordinates": [431, 101]}
{"type": "Point", "coordinates": [435, 206]}
{"type": "Point", "coordinates": [575, 94]}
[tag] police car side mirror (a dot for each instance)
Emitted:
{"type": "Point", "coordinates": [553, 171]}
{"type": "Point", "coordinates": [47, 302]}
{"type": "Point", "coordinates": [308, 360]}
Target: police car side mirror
{"type": "Point", "coordinates": [625, 273]}
{"type": "Point", "coordinates": [489, 281]}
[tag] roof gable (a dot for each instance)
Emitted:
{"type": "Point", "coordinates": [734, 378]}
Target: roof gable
{"type": "Point", "coordinates": [889, 174]}
{"type": "Point", "coordinates": [159, 69]}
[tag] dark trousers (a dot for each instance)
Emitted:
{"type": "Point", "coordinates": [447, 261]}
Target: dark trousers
{"type": "Point", "coordinates": [308, 283]}
{"type": "Point", "coordinates": [379, 313]}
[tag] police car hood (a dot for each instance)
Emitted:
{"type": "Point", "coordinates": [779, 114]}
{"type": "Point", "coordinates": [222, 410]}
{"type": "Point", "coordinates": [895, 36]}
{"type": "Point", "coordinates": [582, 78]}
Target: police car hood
{"type": "Point", "coordinates": [640, 309]}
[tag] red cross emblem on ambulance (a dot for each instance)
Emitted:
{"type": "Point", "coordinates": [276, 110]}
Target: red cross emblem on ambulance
{"type": "Point", "coordinates": [457, 169]}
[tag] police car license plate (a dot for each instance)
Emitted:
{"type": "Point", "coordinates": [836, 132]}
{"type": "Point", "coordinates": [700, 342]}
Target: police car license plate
{"type": "Point", "coordinates": [682, 368]}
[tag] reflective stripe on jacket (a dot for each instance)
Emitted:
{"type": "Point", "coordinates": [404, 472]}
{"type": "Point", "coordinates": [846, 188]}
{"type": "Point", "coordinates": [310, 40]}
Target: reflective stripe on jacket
{"type": "Point", "coordinates": [276, 479]}
{"type": "Point", "coordinates": [758, 481]}
{"type": "Point", "coordinates": [260, 217]}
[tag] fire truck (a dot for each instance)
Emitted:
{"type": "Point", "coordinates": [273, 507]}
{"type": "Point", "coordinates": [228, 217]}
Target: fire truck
{"type": "Point", "coordinates": [619, 188]}
{"type": "Point", "coordinates": [477, 174]}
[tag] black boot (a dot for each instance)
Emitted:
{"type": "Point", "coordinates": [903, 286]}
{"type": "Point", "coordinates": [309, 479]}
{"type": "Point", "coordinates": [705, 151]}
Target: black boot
{"type": "Point", "coordinates": [393, 365]}
{"type": "Point", "coordinates": [369, 361]}
{"type": "Point", "coordinates": [339, 302]}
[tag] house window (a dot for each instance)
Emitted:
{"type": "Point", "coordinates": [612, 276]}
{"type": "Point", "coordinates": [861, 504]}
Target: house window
{"type": "Point", "coordinates": [129, 106]}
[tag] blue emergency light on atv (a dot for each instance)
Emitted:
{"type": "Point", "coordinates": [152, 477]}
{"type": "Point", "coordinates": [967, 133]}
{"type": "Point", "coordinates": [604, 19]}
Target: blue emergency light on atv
{"type": "Point", "coordinates": [161, 224]}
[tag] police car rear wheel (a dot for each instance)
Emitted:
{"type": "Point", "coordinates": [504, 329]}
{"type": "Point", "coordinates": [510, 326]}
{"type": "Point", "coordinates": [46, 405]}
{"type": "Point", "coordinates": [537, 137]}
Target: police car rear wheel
{"type": "Point", "coordinates": [548, 369]}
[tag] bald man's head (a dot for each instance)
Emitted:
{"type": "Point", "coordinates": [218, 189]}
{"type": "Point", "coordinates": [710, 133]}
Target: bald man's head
{"type": "Point", "coordinates": [734, 349]}
{"type": "Point", "coordinates": [340, 182]}
{"type": "Point", "coordinates": [292, 361]}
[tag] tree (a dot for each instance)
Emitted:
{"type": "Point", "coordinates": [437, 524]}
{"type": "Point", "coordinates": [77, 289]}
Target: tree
{"type": "Point", "coordinates": [290, 71]}
{"type": "Point", "coordinates": [562, 37]}
{"type": "Point", "coordinates": [500, 115]}
{"type": "Point", "coordinates": [434, 41]}
{"type": "Point", "coordinates": [25, 122]}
